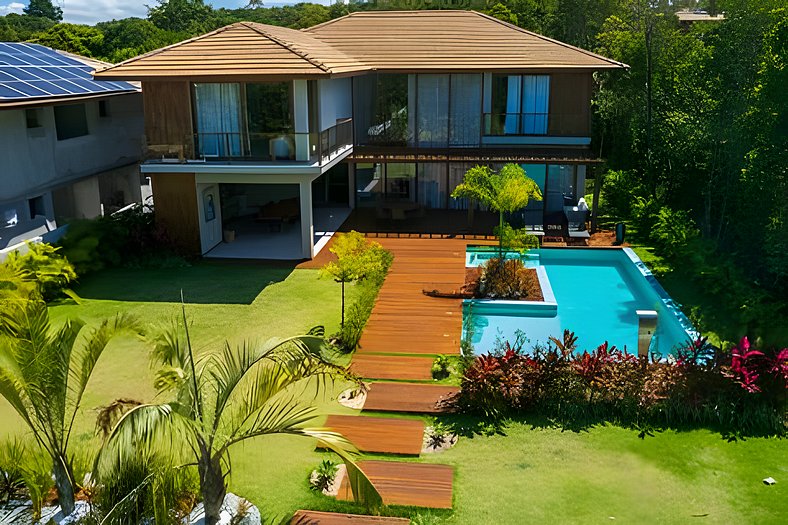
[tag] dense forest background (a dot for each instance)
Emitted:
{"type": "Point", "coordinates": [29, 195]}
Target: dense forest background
{"type": "Point", "coordinates": [695, 133]}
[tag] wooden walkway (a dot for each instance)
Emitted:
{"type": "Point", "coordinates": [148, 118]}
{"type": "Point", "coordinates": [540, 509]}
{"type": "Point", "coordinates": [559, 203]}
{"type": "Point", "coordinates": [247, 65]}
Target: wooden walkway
{"type": "Point", "coordinates": [380, 434]}
{"type": "Point", "coordinates": [311, 517]}
{"type": "Point", "coordinates": [409, 368]}
{"type": "Point", "coordinates": [409, 397]}
{"type": "Point", "coordinates": [415, 484]}
{"type": "Point", "coordinates": [404, 320]}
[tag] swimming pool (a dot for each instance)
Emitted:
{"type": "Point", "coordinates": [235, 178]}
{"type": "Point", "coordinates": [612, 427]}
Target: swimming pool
{"type": "Point", "coordinates": [595, 293]}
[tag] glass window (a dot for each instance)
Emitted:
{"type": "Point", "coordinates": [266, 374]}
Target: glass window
{"type": "Point", "coordinates": [520, 105]}
{"type": "Point", "coordinates": [561, 187]}
{"type": "Point", "coordinates": [466, 104]}
{"type": "Point", "coordinates": [218, 115]}
{"type": "Point", "coordinates": [33, 118]}
{"type": "Point", "coordinates": [369, 184]}
{"type": "Point", "coordinates": [432, 184]}
{"type": "Point", "coordinates": [400, 181]}
{"type": "Point", "coordinates": [269, 116]}
{"type": "Point", "coordinates": [71, 121]}
{"type": "Point", "coordinates": [433, 110]}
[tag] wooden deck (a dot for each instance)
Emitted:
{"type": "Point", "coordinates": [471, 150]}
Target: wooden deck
{"type": "Point", "coordinates": [408, 397]}
{"type": "Point", "coordinates": [405, 320]}
{"type": "Point", "coordinates": [414, 484]}
{"type": "Point", "coordinates": [380, 434]}
{"type": "Point", "coordinates": [392, 367]}
{"type": "Point", "coordinates": [311, 517]}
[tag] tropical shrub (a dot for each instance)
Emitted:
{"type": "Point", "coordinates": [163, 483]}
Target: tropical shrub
{"type": "Point", "coordinates": [323, 476]}
{"type": "Point", "coordinates": [441, 367]}
{"type": "Point", "coordinates": [12, 480]}
{"type": "Point", "coordinates": [43, 263]}
{"type": "Point", "coordinates": [619, 191]}
{"type": "Point", "coordinates": [506, 279]}
{"type": "Point", "coordinates": [673, 233]}
{"type": "Point", "coordinates": [131, 238]}
{"type": "Point", "coordinates": [742, 391]}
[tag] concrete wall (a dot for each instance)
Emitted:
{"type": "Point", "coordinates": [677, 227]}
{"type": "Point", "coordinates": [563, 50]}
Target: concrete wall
{"type": "Point", "coordinates": [33, 160]}
{"type": "Point", "coordinates": [335, 101]}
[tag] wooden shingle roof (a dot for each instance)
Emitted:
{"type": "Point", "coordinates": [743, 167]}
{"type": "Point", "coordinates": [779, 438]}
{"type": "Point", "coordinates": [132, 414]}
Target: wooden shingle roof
{"type": "Point", "coordinates": [396, 41]}
{"type": "Point", "coordinates": [244, 49]}
{"type": "Point", "coordinates": [449, 41]}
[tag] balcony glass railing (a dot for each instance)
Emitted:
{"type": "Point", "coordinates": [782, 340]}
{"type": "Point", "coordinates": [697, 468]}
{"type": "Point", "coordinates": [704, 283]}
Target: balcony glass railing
{"type": "Point", "coordinates": [273, 147]}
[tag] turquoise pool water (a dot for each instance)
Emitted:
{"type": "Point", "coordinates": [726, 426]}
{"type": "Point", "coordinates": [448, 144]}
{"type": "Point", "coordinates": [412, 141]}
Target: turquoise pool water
{"type": "Point", "coordinates": [596, 294]}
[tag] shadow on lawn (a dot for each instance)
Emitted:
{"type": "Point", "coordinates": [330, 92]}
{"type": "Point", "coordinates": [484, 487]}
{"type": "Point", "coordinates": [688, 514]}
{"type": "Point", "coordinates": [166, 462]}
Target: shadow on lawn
{"type": "Point", "coordinates": [203, 282]}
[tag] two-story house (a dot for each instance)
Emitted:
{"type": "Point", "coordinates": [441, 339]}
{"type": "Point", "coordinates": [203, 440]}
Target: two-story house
{"type": "Point", "coordinates": [267, 136]}
{"type": "Point", "coordinates": [70, 145]}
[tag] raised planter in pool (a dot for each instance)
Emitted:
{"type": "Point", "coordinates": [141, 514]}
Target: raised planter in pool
{"type": "Point", "coordinates": [596, 293]}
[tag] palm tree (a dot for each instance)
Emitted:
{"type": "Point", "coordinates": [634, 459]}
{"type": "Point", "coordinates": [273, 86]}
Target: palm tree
{"type": "Point", "coordinates": [228, 398]}
{"type": "Point", "coordinates": [43, 376]}
{"type": "Point", "coordinates": [506, 191]}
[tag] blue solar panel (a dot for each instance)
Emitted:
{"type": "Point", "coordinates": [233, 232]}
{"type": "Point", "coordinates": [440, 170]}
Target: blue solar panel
{"type": "Point", "coordinates": [34, 71]}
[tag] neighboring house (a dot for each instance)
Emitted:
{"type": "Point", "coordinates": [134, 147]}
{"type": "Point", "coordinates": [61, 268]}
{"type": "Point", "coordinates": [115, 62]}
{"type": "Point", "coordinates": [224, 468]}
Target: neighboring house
{"type": "Point", "coordinates": [687, 18]}
{"type": "Point", "coordinates": [69, 145]}
{"type": "Point", "coordinates": [269, 135]}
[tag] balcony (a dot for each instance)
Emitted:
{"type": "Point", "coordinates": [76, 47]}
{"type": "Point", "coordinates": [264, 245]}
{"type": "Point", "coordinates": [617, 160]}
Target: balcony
{"type": "Point", "coordinates": [316, 148]}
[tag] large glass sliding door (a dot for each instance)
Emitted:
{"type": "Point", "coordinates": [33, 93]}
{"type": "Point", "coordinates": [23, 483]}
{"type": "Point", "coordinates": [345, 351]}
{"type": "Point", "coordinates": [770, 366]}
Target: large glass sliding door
{"type": "Point", "coordinates": [465, 111]}
{"type": "Point", "coordinates": [218, 119]}
{"type": "Point", "coordinates": [432, 184]}
{"type": "Point", "coordinates": [401, 182]}
{"type": "Point", "coordinates": [432, 112]}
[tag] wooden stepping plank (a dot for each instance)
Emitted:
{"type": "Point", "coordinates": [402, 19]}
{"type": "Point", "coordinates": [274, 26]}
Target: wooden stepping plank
{"type": "Point", "coordinates": [409, 397]}
{"type": "Point", "coordinates": [413, 484]}
{"type": "Point", "coordinates": [380, 434]}
{"type": "Point", "coordinates": [392, 367]}
{"type": "Point", "coordinates": [312, 517]}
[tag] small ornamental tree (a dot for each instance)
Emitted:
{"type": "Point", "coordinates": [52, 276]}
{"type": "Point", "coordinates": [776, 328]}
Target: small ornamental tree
{"type": "Point", "coordinates": [506, 191]}
{"type": "Point", "coordinates": [357, 259]}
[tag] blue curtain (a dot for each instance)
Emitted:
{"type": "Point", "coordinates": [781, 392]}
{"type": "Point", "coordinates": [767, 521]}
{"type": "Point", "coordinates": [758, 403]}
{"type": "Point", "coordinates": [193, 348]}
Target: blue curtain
{"type": "Point", "coordinates": [536, 100]}
{"type": "Point", "coordinates": [512, 120]}
{"type": "Point", "coordinates": [433, 110]}
{"type": "Point", "coordinates": [218, 108]}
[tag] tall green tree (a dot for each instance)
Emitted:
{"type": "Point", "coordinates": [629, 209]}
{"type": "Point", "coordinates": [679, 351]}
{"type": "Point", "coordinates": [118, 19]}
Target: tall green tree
{"type": "Point", "coordinates": [79, 39]}
{"type": "Point", "coordinates": [506, 191]}
{"type": "Point", "coordinates": [43, 375]}
{"type": "Point", "coordinates": [228, 398]}
{"type": "Point", "coordinates": [44, 9]}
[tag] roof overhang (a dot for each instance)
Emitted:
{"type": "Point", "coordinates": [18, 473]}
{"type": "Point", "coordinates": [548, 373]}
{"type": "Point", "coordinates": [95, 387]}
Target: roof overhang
{"type": "Point", "coordinates": [54, 101]}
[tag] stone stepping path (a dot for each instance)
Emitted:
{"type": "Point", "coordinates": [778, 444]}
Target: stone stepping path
{"type": "Point", "coordinates": [412, 484]}
{"type": "Point", "coordinates": [380, 434]}
{"type": "Point", "coordinates": [416, 398]}
{"type": "Point", "coordinates": [410, 368]}
{"type": "Point", "coordinates": [311, 517]}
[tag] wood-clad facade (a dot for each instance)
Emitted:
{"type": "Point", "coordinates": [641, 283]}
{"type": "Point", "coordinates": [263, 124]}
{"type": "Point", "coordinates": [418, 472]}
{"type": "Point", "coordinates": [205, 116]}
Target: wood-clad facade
{"type": "Point", "coordinates": [175, 196]}
{"type": "Point", "coordinates": [168, 114]}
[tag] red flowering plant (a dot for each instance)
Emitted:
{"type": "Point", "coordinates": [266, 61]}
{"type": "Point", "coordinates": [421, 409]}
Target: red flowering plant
{"type": "Point", "coordinates": [747, 365]}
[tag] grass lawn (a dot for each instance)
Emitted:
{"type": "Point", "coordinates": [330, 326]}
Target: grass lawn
{"type": "Point", "coordinates": [531, 474]}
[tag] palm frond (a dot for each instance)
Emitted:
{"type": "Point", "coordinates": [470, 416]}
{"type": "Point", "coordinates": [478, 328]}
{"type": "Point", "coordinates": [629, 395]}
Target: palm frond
{"type": "Point", "coordinates": [84, 360]}
{"type": "Point", "coordinates": [364, 492]}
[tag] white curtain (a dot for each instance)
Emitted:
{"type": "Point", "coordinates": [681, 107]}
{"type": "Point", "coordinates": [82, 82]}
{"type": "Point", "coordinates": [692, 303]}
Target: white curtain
{"type": "Point", "coordinates": [466, 104]}
{"type": "Point", "coordinates": [536, 100]}
{"type": "Point", "coordinates": [218, 108]}
{"type": "Point", "coordinates": [433, 110]}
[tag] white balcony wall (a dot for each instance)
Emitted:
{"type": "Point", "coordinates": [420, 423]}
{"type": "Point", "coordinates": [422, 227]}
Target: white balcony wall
{"type": "Point", "coordinates": [336, 101]}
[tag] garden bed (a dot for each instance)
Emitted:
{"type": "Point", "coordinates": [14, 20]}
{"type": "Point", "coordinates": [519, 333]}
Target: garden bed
{"type": "Point", "coordinates": [531, 289]}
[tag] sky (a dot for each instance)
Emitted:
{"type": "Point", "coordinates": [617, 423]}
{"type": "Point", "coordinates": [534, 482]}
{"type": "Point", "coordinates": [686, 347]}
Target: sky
{"type": "Point", "coordinates": [92, 11]}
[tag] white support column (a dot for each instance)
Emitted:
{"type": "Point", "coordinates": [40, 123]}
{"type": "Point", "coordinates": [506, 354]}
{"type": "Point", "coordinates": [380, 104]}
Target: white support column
{"type": "Point", "coordinates": [307, 221]}
{"type": "Point", "coordinates": [301, 118]}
